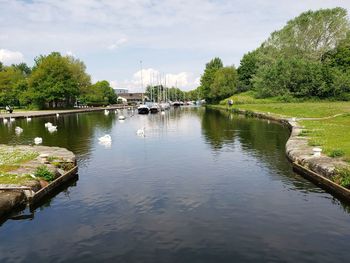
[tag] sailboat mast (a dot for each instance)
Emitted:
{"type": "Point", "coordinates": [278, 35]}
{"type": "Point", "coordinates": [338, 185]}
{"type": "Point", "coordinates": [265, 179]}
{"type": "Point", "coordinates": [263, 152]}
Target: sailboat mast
{"type": "Point", "coordinates": [142, 97]}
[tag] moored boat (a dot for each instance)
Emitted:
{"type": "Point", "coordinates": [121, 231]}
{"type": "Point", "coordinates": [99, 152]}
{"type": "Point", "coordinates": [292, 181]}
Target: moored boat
{"type": "Point", "coordinates": [154, 108]}
{"type": "Point", "coordinates": [143, 109]}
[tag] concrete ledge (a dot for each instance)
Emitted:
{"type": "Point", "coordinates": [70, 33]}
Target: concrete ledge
{"type": "Point", "coordinates": [50, 188]}
{"type": "Point", "coordinates": [323, 182]}
{"type": "Point", "coordinates": [44, 113]}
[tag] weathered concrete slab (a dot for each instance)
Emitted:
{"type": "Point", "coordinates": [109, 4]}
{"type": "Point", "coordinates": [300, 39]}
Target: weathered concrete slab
{"type": "Point", "coordinates": [11, 199]}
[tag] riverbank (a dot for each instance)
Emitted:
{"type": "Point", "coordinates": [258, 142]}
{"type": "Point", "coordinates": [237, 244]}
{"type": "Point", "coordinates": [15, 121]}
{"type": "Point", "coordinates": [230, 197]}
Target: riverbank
{"type": "Point", "coordinates": [331, 173]}
{"type": "Point", "coordinates": [41, 113]}
{"type": "Point", "coordinates": [27, 173]}
{"type": "Point", "coordinates": [325, 123]}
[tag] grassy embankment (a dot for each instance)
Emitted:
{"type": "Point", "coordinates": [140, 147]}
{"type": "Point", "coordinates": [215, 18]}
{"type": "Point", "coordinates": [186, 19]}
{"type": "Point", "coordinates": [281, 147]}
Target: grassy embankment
{"type": "Point", "coordinates": [332, 134]}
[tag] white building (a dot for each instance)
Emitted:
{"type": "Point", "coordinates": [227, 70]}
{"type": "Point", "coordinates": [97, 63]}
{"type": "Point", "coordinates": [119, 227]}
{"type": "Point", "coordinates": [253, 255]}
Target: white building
{"type": "Point", "coordinates": [121, 91]}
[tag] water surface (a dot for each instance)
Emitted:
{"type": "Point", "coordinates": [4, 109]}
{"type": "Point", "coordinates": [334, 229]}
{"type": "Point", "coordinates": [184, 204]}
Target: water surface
{"type": "Point", "coordinates": [202, 186]}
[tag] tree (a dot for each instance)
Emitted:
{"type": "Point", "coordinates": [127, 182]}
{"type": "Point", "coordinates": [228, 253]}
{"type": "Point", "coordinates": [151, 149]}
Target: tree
{"type": "Point", "coordinates": [9, 79]}
{"type": "Point", "coordinates": [78, 69]}
{"type": "Point", "coordinates": [98, 94]}
{"type": "Point", "coordinates": [23, 68]}
{"type": "Point", "coordinates": [247, 69]}
{"type": "Point", "coordinates": [293, 77]}
{"type": "Point", "coordinates": [311, 34]}
{"type": "Point", "coordinates": [207, 78]}
{"type": "Point", "coordinates": [224, 84]}
{"type": "Point", "coordinates": [52, 83]}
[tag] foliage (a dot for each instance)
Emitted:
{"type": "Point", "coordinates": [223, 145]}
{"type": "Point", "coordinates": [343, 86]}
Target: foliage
{"type": "Point", "coordinates": [311, 34]}
{"type": "Point", "coordinates": [342, 177]}
{"type": "Point", "coordinates": [52, 82]}
{"type": "Point", "coordinates": [337, 153]}
{"type": "Point", "coordinates": [99, 93]}
{"type": "Point", "coordinates": [224, 83]}
{"type": "Point", "coordinates": [207, 79]}
{"type": "Point", "coordinates": [246, 70]}
{"type": "Point", "coordinates": [307, 58]}
{"type": "Point", "coordinates": [44, 173]}
{"type": "Point", "coordinates": [10, 83]}
{"type": "Point", "coordinates": [297, 77]}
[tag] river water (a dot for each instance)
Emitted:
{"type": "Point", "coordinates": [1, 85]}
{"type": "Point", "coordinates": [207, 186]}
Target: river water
{"type": "Point", "coordinates": [201, 186]}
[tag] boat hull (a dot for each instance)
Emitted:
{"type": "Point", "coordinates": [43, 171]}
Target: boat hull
{"type": "Point", "coordinates": [154, 110]}
{"type": "Point", "coordinates": [143, 110]}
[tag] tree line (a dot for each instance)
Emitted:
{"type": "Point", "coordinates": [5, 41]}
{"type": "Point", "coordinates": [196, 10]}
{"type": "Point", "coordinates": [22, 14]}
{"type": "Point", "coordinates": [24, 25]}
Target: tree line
{"type": "Point", "coordinates": [54, 81]}
{"type": "Point", "coordinates": [308, 58]}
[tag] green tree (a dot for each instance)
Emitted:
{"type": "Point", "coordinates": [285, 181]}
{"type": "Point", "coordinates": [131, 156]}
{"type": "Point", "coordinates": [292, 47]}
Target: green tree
{"type": "Point", "coordinates": [99, 93]}
{"type": "Point", "coordinates": [291, 77]}
{"type": "Point", "coordinates": [52, 83]}
{"type": "Point", "coordinates": [247, 69]}
{"type": "Point", "coordinates": [78, 69]}
{"type": "Point", "coordinates": [311, 34]}
{"type": "Point", "coordinates": [208, 76]}
{"type": "Point", "coordinates": [224, 84]}
{"type": "Point", "coordinates": [9, 79]}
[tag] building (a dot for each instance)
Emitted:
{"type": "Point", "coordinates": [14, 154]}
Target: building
{"type": "Point", "coordinates": [132, 98]}
{"type": "Point", "coordinates": [121, 91]}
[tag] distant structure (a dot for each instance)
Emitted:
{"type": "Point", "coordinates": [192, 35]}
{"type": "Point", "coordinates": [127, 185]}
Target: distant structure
{"type": "Point", "coordinates": [121, 91]}
{"type": "Point", "coordinates": [131, 98]}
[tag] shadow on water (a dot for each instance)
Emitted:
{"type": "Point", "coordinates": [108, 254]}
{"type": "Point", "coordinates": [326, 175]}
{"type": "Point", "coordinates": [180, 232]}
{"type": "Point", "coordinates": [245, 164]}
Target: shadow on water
{"type": "Point", "coordinates": [262, 138]}
{"type": "Point", "coordinates": [21, 213]}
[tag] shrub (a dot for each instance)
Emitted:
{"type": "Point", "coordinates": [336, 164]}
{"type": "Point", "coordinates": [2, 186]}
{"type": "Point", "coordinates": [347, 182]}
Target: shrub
{"type": "Point", "coordinates": [44, 173]}
{"type": "Point", "coordinates": [337, 153]}
{"type": "Point", "coordinates": [343, 177]}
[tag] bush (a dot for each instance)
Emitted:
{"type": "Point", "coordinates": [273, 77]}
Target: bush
{"type": "Point", "coordinates": [337, 153]}
{"type": "Point", "coordinates": [343, 177]}
{"type": "Point", "coordinates": [44, 173]}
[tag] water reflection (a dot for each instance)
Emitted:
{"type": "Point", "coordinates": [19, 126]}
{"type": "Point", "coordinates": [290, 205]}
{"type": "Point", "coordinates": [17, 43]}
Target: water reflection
{"type": "Point", "coordinates": [200, 186]}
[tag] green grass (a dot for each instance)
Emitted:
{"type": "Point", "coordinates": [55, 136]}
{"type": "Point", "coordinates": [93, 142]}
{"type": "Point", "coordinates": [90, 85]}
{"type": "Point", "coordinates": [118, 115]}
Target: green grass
{"type": "Point", "coordinates": [306, 109]}
{"type": "Point", "coordinates": [332, 135]}
{"type": "Point", "coordinates": [11, 159]}
{"type": "Point", "coordinates": [14, 179]}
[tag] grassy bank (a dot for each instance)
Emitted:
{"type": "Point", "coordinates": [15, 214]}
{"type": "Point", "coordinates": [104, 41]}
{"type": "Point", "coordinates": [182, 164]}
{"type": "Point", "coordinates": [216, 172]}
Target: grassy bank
{"type": "Point", "coordinates": [332, 134]}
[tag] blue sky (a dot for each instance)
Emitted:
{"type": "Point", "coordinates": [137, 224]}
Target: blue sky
{"type": "Point", "coordinates": [172, 37]}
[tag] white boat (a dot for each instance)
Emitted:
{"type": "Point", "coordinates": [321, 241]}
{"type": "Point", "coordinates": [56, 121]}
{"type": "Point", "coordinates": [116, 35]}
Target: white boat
{"type": "Point", "coordinates": [143, 109]}
{"type": "Point", "coordinates": [154, 108]}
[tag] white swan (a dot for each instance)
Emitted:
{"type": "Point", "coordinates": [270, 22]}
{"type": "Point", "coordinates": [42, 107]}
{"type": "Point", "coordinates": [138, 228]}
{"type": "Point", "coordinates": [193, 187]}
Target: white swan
{"type": "Point", "coordinates": [52, 128]}
{"type": "Point", "coordinates": [141, 132]}
{"type": "Point", "coordinates": [18, 130]}
{"type": "Point", "coordinates": [106, 138]}
{"type": "Point", "coordinates": [38, 140]}
{"type": "Point", "coordinates": [106, 112]}
{"type": "Point", "coordinates": [121, 118]}
{"type": "Point", "coordinates": [48, 124]}
{"type": "Point", "coordinates": [29, 119]}
{"type": "Point", "coordinates": [5, 121]}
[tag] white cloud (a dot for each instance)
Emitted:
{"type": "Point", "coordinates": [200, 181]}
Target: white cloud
{"type": "Point", "coordinates": [71, 54]}
{"type": "Point", "coordinates": [10, 57]}
{"type": "Point", "coordinates": [118, 43]}
{"type": "Point", "coordinates": [150, 76]}
{"type": "Point", "coordinates": [186, 33]}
